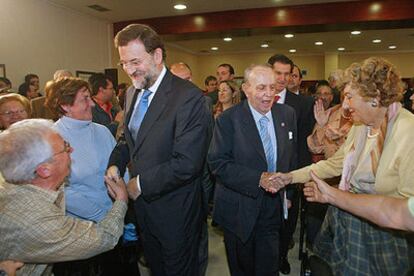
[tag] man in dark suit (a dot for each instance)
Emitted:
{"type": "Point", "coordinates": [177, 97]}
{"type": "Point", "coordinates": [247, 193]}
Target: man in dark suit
{"type": "Point", "coordinates": [165, 141]}
{"type": "Point", "coordinates": [250, 142]}
{"type": "Point", "coordinates": [303, 106]}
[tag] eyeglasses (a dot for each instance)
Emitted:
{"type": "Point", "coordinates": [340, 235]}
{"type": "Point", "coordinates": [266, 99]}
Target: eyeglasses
{"type": "Point", "coordinates": [66, 148]}
{"type": "Point", "coordinates": [13, 112]}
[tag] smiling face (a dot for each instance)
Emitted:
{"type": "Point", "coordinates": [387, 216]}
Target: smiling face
{"type": "Point", "coordinates": [260, 89]}
{"type": "Point", "coordinates": [282, 73]}
{"type": "Point", "coordinates": [359, 108]}
{"type": "Point", "coordinates": [225, 95]}
{"type": "Point", "coordinates": [12, 112]}
{"type": "Point", "coordinates": [82, 106]}
{"type": "Point", "coordinates": [143, 68]}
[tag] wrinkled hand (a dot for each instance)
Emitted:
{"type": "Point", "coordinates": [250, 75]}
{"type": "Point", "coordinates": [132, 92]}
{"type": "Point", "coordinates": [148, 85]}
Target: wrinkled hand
{"type": "Point", "coordinates": [10, 267]}
{"type": "Point", "coordinates": [273, 182]}
{"type": "Point", "coordinates": [317, 190]}
{"type": "Point", "coordinates": [321, 115]}
{"type": "Point", "coordinates": [117, 188]}
{"type": "Point", "coordinates": [132, 188]}
{"type": "Point", "coordinates": [113, 173]}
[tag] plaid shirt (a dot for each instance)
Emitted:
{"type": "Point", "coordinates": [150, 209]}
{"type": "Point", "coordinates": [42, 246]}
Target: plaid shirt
{"type": "Point", "coordinates": [35, 230]}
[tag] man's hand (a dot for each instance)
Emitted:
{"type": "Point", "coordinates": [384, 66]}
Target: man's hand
{"type": "Point", "coordinates": [317, 190]}
{"type": "Point", "coordinates": [113, 173]}
{"type": "Point", "coordinates": [10, 267]}
{"type": "Point", "coordinates": [117, 188]}
{"type": "Point", "coordinates": [119, 116]}
{"type": "Point", "coordinates": [132, 188]}
{"type": "Point", "coordinates": [273, 182]}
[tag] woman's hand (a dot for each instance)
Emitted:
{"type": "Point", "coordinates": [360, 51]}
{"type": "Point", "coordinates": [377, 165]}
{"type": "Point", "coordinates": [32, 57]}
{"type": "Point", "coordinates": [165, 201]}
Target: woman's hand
{"type": "Point", "coordinates": [321, 115]}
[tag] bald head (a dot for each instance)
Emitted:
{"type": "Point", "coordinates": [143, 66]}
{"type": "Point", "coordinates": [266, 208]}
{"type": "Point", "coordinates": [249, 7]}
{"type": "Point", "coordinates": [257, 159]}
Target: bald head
{"type": "Point", "coordinates": [181, 70]}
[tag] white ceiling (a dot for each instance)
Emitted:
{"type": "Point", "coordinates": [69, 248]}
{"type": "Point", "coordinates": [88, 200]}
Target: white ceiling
{"type": "Point", "coordinates": [122, 10]}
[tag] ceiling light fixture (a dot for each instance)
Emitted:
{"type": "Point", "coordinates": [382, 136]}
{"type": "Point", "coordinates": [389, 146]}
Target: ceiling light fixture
{"type": "Point", "coordinates": [214, 48]}
{"type": "Point", "coordinates": [289, 35]}
{"type": "Point", "coordinates": [292, 51]}
{"type": "Point", "coordinates": [392, 47]}
{"type": "Point", "coordinates": [376, 41]}
{"type": "Point", "coordinates": [318, 43]}
{"type": "Point", "coordinates": [227, 39]}
{"type": "Point", "coordinates": [356, 32]}
{"type": "Point", "coordinates": [341, 49]}
{"type": "Point", "coordinates": [180, 7]}
{"type": "Point", "coordinates": [264, 45]}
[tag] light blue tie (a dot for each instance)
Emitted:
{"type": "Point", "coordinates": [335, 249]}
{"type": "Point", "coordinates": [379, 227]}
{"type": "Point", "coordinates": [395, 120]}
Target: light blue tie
{"type": "Point", "coordinates": [138, 116]}
{"type": "Point", "coordinates": [267, 144]}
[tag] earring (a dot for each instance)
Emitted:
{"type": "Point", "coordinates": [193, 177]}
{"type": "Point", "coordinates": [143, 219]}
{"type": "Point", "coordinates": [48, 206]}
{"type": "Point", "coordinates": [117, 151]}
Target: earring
{"type": "Point", "coordinates": [374, 104]}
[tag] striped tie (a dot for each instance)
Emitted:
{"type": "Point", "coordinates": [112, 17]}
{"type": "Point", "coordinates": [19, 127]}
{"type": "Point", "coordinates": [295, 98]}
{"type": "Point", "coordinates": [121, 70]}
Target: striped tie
{"type": "Point", "coordinates": [267, 144]}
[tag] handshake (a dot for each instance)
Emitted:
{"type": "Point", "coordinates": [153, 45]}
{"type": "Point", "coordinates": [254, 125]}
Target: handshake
{"type": "Point", "coordinates": [273, 182]}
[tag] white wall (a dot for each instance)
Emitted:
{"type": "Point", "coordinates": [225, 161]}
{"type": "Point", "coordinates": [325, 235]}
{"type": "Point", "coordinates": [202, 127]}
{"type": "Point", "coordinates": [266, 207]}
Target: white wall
{"type": "Point", "coordinates": [40, 37]}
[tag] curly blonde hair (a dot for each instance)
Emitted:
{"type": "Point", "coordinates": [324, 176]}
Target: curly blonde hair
{"type": "Point", "coordinates": [375, 77]}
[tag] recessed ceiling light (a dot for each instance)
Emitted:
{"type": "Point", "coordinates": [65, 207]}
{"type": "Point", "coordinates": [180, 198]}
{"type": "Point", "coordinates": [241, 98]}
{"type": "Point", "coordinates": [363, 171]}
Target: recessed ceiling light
{"type": "Point", "coordinates": [292, 51]}
{"type": "Point", "coordinates": [392, 47]}
{"type": "Point", "coordinates": [214, 48]}
{"type": "Point", "coordinates": [356, 32]}
{"type": "Point", "coordinates": [341, 49]}
{"type": "Point", "coordinates": [264, 45]}
{"type": "Point", "coordinates": [318, 43]}
{"type": "Point", "coordinates": [227, 39]}
{"type": "Point", "coordinates": [180, 7]}
{"type": "Point", "coordinates": [376, 41]}
{"type": "Point", "coordinates": [289, 35]}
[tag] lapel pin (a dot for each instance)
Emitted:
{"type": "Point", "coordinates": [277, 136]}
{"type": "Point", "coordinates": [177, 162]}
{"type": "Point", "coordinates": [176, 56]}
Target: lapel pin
{"type": "Point", "coordinates": [282, 124]}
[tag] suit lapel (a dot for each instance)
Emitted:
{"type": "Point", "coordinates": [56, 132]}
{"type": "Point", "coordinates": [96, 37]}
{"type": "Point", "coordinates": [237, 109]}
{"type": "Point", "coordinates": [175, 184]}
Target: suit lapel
{"type": "Point", "coordinates": [157, 106]}
{"type": "Point", "coordinates": [280, 129]}
{"type": "Point", "coordinates": [251, 130]}
{"type": "Point", "coordinates": [132, 96]}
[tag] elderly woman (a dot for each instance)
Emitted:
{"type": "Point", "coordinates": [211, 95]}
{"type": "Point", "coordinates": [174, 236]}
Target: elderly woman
{"type": "Point", "coordinates": [332, 125]}
{"type": "Point", "coordinates": [376, 158]}
{"type": "Point", "coordinates": [228, 95]}
{"type": "Point", "coordinates": [86, 194]}
{"type": "Point", "coordinates": [13, 108]}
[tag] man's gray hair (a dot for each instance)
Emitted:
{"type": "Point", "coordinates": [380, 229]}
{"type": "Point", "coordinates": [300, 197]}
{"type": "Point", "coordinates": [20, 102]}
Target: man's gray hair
{"type": "Point", "coordinates": [249, 70]}
{"type": "Point", "coordinates": [62, 73]}
{"type": "Point", "coordinates": [335, 75]}
{"type": "Point", "coordinates": [23, 146]}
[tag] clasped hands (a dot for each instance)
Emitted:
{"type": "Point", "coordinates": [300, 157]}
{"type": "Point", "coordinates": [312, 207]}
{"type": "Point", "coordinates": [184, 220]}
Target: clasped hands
{"type": "Point", "coordinates": [112, 176]}
{"type": "Point", "coordinates": [273, 182]}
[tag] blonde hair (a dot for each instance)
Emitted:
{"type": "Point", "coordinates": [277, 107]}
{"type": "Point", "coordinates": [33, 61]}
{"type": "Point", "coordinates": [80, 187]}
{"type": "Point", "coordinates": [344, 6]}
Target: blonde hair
{"type": "Point", "coordinates": [18, 98]}
{"type": "Point", "coordinates": [375, 77]}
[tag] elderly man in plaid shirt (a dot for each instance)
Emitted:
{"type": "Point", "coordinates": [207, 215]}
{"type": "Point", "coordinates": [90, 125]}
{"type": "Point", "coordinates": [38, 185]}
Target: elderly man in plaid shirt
{"type": "Point", "coordinates": [34, 162]}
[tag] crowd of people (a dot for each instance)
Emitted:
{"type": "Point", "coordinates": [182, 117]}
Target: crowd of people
{"type": "Point", "coordinates": [91, 179]}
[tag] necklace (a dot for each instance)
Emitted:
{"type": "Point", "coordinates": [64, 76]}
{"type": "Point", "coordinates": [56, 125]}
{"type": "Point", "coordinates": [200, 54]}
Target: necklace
{"type": "Point", "coordinates": [369, 135]}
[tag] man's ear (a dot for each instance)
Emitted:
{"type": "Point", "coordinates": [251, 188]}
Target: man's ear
{"type": "Point", "coordinates": [158, 56]}
{"type": "Point", "coordinates": [43, 170]}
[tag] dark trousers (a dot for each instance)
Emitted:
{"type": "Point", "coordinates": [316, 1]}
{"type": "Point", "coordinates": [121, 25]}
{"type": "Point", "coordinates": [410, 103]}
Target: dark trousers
{"type": "Point", "coordinates": [172, 255]}
{"type": "Point", "coordinates": [289, 225]}
{"type": "Point", "coordinates": [257, 256]}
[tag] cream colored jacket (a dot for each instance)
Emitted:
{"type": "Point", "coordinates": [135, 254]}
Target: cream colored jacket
{"type": "Point", "coordinates": [395, 173]}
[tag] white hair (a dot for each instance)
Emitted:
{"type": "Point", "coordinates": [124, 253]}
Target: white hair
{"type": "Point", "coordinates": [62, 73]}
{"type": "Point", "coordinates": [249, 70]}
{"type": "Point", "coordinates": [23, 146]}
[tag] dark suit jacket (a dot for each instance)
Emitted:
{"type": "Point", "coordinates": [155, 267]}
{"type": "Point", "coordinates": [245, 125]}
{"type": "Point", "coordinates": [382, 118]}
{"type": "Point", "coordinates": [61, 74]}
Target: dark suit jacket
{"type": "Point", "coordinates": [168, 155]}
{"type": "Point", "coordinates": [237, 158]}
{"type": "Point", "coordinates": [99, 116]}
{"type": "Point", "coordinates": [303, 106]}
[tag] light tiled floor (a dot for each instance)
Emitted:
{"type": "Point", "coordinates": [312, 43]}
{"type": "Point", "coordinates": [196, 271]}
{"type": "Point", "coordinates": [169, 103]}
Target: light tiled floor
{"type": "Point", "coordinates": [217, 263]}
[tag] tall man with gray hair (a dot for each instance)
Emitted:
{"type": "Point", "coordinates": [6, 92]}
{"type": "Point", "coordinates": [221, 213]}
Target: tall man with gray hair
{"type": "Point", "coordinates": [34, 162]}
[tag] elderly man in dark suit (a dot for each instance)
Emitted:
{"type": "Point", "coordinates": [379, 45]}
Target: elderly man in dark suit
{"type": "Point", "coordinates": [165, 140]}
{"type": "Point", "coordinates": [303, 106]}
{"type": "Point", "coordinates": [250, 142]}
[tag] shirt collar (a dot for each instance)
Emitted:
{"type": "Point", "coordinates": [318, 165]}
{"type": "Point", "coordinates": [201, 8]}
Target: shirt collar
{"type": "Point", "coordinates": [282, 96]}
{"type": "Point", "coordinates": [257, 116]}
{"type": "Point", "coordinates": [157, 83]}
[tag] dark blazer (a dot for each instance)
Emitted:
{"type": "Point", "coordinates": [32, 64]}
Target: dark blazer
{"type": "Point", "coordinates": [99, 116]}
{"type": "Point", "coordinates": [237, 158]}
{"type": "Point", "coordinates": [303, 106]}
{"type": "Point", "coordinates": [168, 156]}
